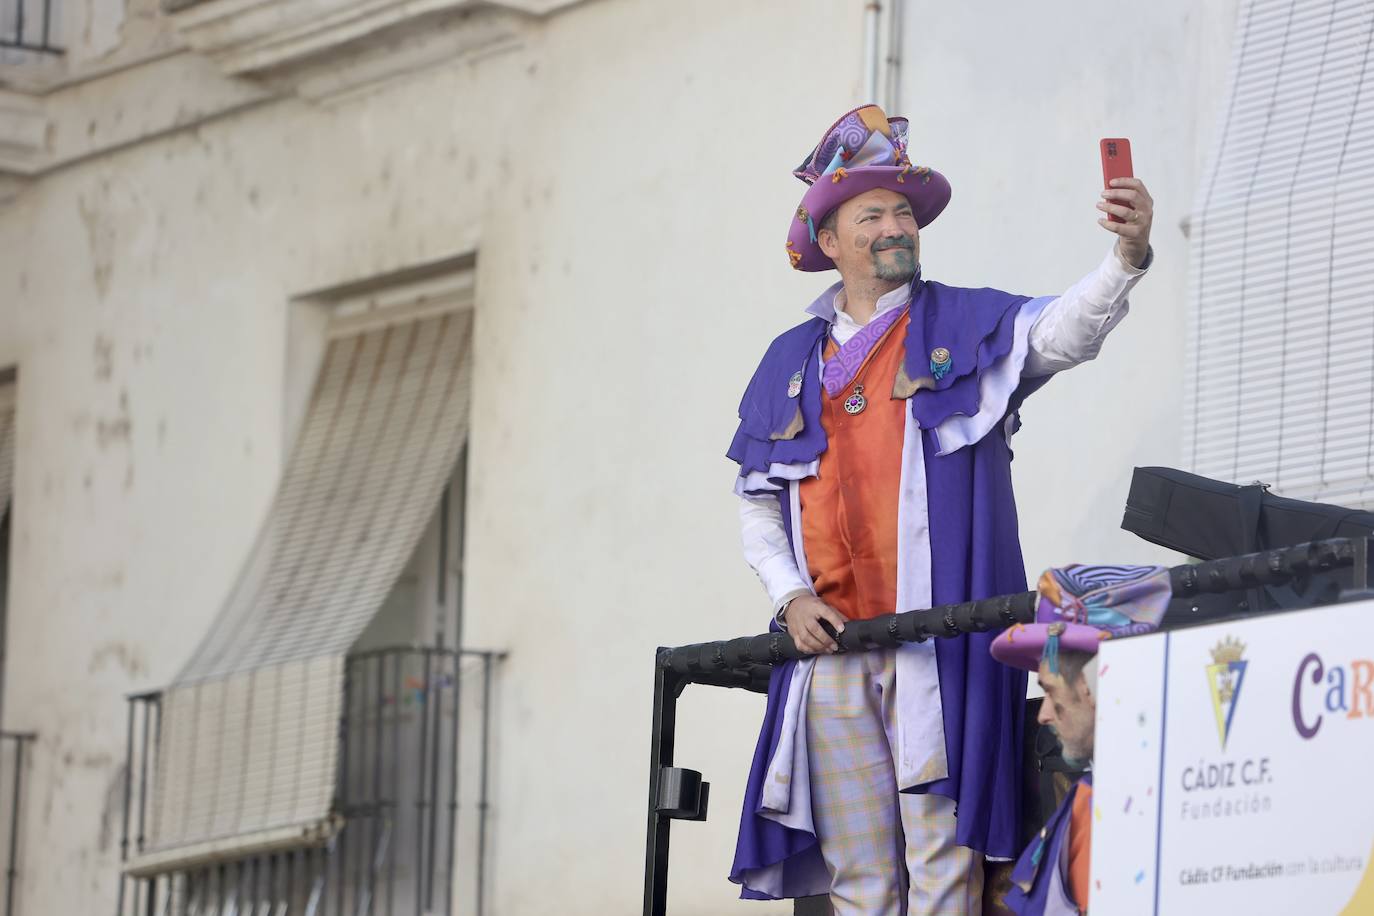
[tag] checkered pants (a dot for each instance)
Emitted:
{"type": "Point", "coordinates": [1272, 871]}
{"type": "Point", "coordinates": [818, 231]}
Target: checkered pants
{"type": "Point", "coordinates": [866, 828]}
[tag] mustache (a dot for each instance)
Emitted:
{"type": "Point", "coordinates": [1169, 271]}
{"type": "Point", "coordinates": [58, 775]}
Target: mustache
{"type": "Point", "coordinates": [899, 242]}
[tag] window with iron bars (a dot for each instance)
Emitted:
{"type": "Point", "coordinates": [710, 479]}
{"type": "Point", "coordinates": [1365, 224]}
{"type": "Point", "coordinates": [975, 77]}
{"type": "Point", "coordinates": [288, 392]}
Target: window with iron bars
{"type": "Point", "coordinates": [30, 25]}
{"type": "Point", "coordinates": [15, 747]}
{"type": "Point", "coordinates": [412, 799]}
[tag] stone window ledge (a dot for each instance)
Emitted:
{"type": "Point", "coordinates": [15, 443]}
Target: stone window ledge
{"type": "Point", "coordinates": [319, 48]}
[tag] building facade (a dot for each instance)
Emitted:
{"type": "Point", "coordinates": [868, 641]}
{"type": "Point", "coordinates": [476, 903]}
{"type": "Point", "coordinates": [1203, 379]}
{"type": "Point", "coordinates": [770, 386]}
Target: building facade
{"type": "Point", "coordinates": [340, 337]}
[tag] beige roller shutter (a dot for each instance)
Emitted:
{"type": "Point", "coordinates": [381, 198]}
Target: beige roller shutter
{"type": "Point", "coordinates": [249, 731]}
{"type": "Point", "coordinates": [1280, 365]}
{"type": "Point", "coordinates": [6, 445]}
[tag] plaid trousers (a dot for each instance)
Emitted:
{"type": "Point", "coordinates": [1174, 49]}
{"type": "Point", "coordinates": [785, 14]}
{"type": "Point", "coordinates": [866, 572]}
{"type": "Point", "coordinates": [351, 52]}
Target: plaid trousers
{"type": "Point", "coordinates": [888, 853]}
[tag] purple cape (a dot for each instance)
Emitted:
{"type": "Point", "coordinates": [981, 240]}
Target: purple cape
{"type": "Point", "coordinates": [1031, 879]}
{"type": "Point", "coordinates": [975, 553]}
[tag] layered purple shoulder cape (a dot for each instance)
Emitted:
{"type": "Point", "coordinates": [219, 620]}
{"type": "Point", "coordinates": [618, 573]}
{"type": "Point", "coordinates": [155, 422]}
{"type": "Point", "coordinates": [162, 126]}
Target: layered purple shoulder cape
{"type": "Point", "coordinates": [975, 553]}
{"type": "Point", "coordinates": [1034, 890]}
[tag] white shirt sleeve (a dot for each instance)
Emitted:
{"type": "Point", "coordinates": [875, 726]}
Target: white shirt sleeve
{"type": "Point", "coordinates": [1072, 328]}
{"type": "Point", "coordinates": [767, 549]}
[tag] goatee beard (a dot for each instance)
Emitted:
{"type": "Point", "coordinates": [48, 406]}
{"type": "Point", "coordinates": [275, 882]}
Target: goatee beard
{"type": "Point", "coordinates": [901, 267]}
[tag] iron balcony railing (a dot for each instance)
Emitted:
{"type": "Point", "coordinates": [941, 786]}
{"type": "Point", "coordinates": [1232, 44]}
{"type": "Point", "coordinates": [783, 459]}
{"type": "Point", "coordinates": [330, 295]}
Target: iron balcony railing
{"type": "Point", "coordinates": [399, 803]}
{"type": "Point", "coordinates": [14, 760]}
{"type": "Point", "coordinates": [27, 25]}
{"type": "Point", "coordinates": [1321, 572]}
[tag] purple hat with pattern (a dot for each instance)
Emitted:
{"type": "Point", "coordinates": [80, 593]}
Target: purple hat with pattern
{"type": "Point", "coordinates": [1079, 607]}
{"type": "Point", "coordinates": [863, 150]}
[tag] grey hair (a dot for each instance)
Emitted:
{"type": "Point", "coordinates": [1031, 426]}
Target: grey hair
{"type": "Point", "coordinates": [1073, 664]}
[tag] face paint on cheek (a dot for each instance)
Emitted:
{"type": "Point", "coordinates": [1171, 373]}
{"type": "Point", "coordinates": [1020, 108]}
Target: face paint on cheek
{"type": "Point", "coordinates": [861, 242]}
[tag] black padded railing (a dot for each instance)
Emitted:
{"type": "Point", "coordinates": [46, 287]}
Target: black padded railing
{"type": "Point", "coordinates": [741, 662]}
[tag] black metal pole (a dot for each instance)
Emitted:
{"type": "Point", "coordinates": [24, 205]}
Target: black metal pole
{"type": "Point", "coordinates": [483, 803]}
{"type": "Point", "coordinates": [422, 718]}
{"type": "Point", "coordinates": [267, 881]}
{"type": "Point", "coordinates": [460, 539]}
{"type": "Point", "coordinates": [19, 23]}
{"type": "Point", "coordinates": [436, 702]}
{"type": "Point", "coordinates": [143, 774]}
{"type": "Point", "coordinates": [345, 733]}
{"type": "Point", "coordinates": [441, 619]}
{"type": "Point", "coordinates": [378, 807]}
{"type": "Point", "coordinates": [397, 663]}
{"type": "Point", "coordinates": [12, 872]}
{"type": "Point", "coordinates": [294, 864]}
{"type": "Point", "coordinates": [442, 576]}
{"type": "Point", "coordinates": [273, 883]}
{"type": "Point", "coordinates": [4, 613]}
{"type": "Point", "coordinates": [329, 859]}
{"type": "Point", "coordinates": [454, 764]}
{"type": "Point", "coordinates": [667, 687]}
{"type": "Point", "coordinates": [128, 789]}
{"type": "Point", "coordinates": [128, 783]}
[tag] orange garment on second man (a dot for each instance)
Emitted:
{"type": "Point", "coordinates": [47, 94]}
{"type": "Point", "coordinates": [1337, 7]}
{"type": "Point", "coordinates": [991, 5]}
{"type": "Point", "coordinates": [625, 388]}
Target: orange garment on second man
{"type": "Point", "coordinates": [849, 509]}
{"type": "Point", "coordinates": [1080, 844]}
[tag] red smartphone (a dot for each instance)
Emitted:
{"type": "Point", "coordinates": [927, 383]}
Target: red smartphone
{"type": "Point", "coordinates": [1116, 163]}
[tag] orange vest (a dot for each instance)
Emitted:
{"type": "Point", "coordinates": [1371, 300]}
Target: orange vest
{"type": "Point", "coordinates": [849, 509]}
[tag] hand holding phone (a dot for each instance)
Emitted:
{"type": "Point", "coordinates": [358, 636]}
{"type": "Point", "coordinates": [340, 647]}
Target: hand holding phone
{"type": "Point", "coordinates": [1116, 163]}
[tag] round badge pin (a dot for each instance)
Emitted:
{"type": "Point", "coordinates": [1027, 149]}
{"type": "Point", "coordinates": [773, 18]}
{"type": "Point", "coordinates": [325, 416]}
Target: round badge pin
{"type": "Point", "coordinates": [794, 385]}
{"type": "Point", "coordinates": [940, 363]}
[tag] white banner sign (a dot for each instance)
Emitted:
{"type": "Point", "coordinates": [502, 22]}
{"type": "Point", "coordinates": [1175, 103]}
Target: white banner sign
{"type": "Point", "coordinates": [1234, 768]}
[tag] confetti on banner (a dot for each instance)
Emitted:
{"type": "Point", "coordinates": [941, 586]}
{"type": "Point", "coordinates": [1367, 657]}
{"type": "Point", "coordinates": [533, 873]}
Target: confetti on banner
{"type": "Point", "coordinates": [1128, 804]}
{"type": "Point", "coordinates": [1140, 876]}
{"type": "Point", "coordinates": [1097, 812]}
{"type": "Point", "coordinates": [1103, 672]}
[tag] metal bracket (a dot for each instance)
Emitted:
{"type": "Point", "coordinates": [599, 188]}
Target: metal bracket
{"type": "Point", "coordinates": [682, 795]}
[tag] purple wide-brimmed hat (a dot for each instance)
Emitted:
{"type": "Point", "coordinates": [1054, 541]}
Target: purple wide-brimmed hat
{"type": "Point", "coordinates": [1079, 607]}
{"type": "Point", "coordinates": [863, 150]}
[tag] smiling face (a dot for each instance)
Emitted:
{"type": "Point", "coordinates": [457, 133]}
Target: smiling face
{"type": "Point", "coordinates": [873, 237]}
{"type": "Point", "coordinates": [1070, 707]}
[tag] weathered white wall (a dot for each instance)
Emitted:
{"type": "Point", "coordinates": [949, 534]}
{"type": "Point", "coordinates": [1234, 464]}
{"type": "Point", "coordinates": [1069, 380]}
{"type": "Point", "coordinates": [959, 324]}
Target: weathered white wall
{"type": "Point", "coordinates": [624, 179]}
{"type": "Point", "coordinates": [1011, 106]}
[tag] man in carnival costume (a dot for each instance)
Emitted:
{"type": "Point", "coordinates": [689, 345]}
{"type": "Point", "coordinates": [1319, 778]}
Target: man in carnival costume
{"type": "Point", "coordinates": [875, 477]}
{"type": "Point", "coordinates": [1079, 607]}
